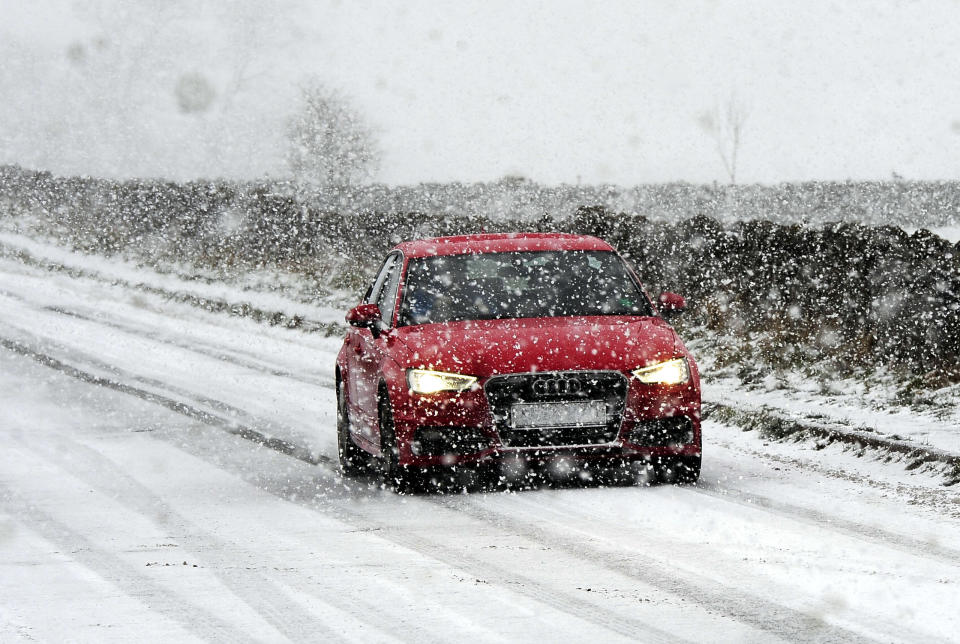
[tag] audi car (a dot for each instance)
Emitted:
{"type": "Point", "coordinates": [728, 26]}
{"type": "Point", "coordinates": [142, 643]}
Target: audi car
{"type": "Point", "coordinates": [514, 349]}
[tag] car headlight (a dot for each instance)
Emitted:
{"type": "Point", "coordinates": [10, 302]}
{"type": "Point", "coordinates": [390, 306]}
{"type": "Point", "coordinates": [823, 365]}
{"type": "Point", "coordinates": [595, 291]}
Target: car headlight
{"type": "Point", "coordinates": [425, 381]}
{"type": "Point", "coordinates": [671, 372]}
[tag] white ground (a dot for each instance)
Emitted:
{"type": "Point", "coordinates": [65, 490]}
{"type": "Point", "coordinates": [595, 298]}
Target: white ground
{"type": "Point", "coordinates": [935, 426]}
{"type": "Point", "coordinates": [950, 233]}
{"type": "Point", "coordinates": [133, 508]}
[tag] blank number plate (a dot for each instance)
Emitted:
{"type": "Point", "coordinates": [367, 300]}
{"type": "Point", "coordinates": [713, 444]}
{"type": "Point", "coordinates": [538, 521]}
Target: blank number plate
{"type": "Point", "coordinates": [559, 414]}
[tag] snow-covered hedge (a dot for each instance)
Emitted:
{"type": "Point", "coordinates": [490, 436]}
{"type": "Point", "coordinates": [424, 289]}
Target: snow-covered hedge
{"type": "Point", "coordinates": [776, 291]}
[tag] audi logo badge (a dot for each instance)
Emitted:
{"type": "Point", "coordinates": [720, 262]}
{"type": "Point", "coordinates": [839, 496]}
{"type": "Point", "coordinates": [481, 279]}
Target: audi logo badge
{"type": "Point", "coordinates": [557, 387]}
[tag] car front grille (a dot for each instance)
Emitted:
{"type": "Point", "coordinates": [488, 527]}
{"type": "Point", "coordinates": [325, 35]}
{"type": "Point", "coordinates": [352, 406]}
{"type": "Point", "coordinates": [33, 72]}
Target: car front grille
{"type": "Point", "coordinates": [504, 391]}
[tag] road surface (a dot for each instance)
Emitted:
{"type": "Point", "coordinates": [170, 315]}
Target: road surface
{"type": "Point", "coordinates": [168, 474]}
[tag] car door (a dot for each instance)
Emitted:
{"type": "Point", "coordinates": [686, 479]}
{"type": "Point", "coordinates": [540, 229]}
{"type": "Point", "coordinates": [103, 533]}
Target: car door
{"type": "Point", "coordinates": [370, 351]}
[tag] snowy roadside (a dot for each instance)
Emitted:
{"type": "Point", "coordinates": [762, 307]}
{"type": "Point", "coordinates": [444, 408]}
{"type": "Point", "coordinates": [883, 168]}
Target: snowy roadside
{"type": "Point", "coordinates": [277, 298]}
{"type": "Point", "coordinates": [924, 433]}
{"type": "Point", "coordinates": [848, 410]}
{"type": "Point", "coordinates": [777, 425]}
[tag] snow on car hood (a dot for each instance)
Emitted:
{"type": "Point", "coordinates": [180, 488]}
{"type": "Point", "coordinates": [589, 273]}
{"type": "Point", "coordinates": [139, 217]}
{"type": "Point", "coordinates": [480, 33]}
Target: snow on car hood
{"type": "Point", "coordinates": [487, 347]}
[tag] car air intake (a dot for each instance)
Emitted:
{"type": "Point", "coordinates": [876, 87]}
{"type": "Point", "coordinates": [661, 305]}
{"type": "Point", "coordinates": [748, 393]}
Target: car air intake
{"type": "Point", "coordinates": [658, 432]}
{"type": "Point", "coordinates": [436, 441]}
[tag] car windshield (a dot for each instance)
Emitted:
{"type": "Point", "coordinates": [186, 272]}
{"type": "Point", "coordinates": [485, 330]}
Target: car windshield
{"type": "Point", "coordinates": [531, 284]}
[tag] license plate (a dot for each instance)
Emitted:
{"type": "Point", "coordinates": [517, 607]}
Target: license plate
{"type": "Point", "coordinates": [558, 414]}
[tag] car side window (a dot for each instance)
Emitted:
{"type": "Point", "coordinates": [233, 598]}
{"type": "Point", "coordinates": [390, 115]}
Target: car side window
{"type": "Point", "coordinates": [388, 295]}
{"type": "Point", "coordinates": [373, 293]}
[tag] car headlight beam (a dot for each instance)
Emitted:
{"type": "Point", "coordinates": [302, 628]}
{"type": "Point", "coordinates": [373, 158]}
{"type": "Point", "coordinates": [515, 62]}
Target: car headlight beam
{"type": "Point", "coordinates": [671, 372]}
{"type": "Point", "coordinates": [426, 381]}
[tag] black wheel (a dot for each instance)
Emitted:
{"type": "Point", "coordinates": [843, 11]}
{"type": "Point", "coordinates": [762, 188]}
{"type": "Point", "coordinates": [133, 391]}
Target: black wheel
{"type": "Point", "coordinates": [644, 473]}
{"type": "Point", "coordinates": [617, 473]}
{"type": "Point", "coordinates": [687, 469]}
{"type": "Point", "coordinates": [352, 458]}
{"type": "Point", "coordinates": [396, 476]}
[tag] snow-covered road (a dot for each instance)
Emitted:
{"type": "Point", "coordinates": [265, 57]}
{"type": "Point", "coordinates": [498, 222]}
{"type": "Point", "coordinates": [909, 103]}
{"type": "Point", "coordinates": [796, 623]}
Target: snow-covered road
{"type": "Point", "coordinates": [168, 475]}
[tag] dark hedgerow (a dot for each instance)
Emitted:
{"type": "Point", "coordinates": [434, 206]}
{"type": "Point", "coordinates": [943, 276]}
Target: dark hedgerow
{"type": "Point", "coordinates": [782, 292]}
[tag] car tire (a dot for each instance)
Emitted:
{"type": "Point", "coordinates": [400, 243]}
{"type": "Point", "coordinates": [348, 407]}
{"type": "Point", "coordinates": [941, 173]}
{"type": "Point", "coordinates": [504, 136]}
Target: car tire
{"type": "Point", "coordinates": [352, 458]}
{"type": "Point", "coordinates": [688, 469]}
{"type": "Point", "coordinates": [395, 476]}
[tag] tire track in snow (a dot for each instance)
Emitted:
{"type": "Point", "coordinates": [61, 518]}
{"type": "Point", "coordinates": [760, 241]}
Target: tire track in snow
{"type": "Point", "coordinates": [564, 602]}
{"type": "Point", "coordinates": [192, 618]}
{"type": "Point", "coordinates": [871, 533]}
{"type": "Point", "coordinates": [237, 416]}
{"type": "Point", "coordinates": [263, 594]}
{"type": "Point", "coordinates": [229, 355]}
{"type": "Point", "coordinates": [346, 510]}
{"type": "Point", "coordinates": [303, 492]}
{"type": "Point", "coordinates": [647, 573]}
{"type": "Point", "coordinates": [800, 621]}
{"type": "Point", "coordinates": [222, 354]}
{"type": "Point", "coordinates": [126, 376]}
{"type": "Point", "coordinates": [775, 619]}
{"type": "Point", "coordinates": [210, 304]}
{"type": "Point", "coordinates": [230, 426]}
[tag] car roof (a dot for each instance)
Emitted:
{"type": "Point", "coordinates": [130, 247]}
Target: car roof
{"type": "Point", "coordinates": [500, 243]}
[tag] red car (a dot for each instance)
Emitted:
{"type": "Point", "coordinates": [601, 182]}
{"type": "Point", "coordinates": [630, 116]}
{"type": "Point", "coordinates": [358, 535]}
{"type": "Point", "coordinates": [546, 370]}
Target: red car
{"type": "Point", "coordinates": [524, 348]}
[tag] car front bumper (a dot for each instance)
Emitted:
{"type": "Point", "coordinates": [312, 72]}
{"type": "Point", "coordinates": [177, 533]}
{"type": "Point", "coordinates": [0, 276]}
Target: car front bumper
{"type": "Point", "coordinates": [445, 429]}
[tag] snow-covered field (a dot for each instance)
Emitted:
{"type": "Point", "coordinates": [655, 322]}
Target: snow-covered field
{"type": "Point", "coordinates": [950, 233]}
{"type": "Point", "coordinates": [168, 474]}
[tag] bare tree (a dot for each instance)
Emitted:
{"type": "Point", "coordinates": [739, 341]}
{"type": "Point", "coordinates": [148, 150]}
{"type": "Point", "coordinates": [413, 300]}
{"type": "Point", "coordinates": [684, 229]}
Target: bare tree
{"type": "Point", "coordinates": [329, 144]}
{"type": "Point", "coordinates": [725, 126]}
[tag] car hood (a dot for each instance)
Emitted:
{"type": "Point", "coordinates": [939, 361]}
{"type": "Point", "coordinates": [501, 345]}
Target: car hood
{"type": "Point", "coordinates": [488, 347]}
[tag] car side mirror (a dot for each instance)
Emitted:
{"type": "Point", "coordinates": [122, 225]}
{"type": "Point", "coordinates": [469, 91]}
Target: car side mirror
{"type": "Point", "coordinates": [365, 316]}
{"type": "Point", "coordinates": [671, 304]}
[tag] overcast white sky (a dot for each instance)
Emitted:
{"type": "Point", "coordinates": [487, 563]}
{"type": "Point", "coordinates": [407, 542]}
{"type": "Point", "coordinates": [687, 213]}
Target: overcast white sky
{"type": "Point", "coordinates": [556, 91]}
